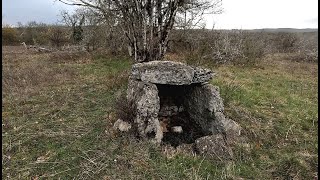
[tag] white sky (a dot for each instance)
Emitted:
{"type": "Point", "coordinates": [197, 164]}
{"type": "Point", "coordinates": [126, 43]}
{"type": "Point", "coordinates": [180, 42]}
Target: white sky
{"type": "Point", "coordinates": [46, 11]}
{"type": "Point", "coordinates": [238, 14]}
{"type": "Point", "coordinates": [256, 14]}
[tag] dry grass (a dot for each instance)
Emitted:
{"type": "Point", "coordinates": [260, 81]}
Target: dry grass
{"type": "Point", "coordinates": [27, 73]}
{"type": "Point", "coordinates": [57, 122]}
{"type": "Point", "coordinates": [276, 102]}
{"type": "Point", "coordinates": [62, 57]}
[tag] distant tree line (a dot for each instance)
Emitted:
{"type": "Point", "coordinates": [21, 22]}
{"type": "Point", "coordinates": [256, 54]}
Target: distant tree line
{"type": "Point", "coordinates": [88, 28]}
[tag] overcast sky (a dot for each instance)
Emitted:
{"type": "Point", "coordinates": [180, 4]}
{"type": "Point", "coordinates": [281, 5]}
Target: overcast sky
{"type": "Point", "coordinates": [238, 14]}
{"type": "Point", "coordinates": [46, 11]}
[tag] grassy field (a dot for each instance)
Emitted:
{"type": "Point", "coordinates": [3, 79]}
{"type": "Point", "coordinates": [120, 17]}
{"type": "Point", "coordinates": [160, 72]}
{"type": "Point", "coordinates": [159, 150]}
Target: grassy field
{"type": "Point", "coordinates": [58, 111]}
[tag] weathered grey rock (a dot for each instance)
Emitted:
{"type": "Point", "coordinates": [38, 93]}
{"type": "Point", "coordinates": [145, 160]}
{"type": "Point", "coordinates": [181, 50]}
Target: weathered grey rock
{"type": "Point", "coordinates": [231, 128]}
{"type": "Point", "coordinates": [205, 107]}
{"type": "Point", "coordinates": [146, 103]}
{"type": "Point", "coordinates": [170, 110]}
{"type": "Point", "coordinates": [215, 147]}
{"type": "Point", "coordinates": [168, 72]}
{"type": "Point", "coordinates": [201, 75]}
{"type": "Point", "coordinates": [176, 129]}
{"type": "Point", "coordinates": [122, 125]}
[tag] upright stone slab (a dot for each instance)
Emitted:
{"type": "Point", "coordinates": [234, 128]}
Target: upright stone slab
{"type": "Point", "coordinates": [205, 107]}
{"type": "Point", "coordinates": [145, 102]}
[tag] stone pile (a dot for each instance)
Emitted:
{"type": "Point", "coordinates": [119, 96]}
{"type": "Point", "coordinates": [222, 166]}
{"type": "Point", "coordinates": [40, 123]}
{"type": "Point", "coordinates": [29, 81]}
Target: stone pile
{"type": "Point", "coordinates": [174, 100]}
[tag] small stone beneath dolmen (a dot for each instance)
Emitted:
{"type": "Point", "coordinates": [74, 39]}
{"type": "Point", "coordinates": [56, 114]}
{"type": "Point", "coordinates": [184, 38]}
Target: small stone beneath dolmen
{"type": "Point", "coordinates": [176, 129]}
{"type": "Point", "coordinates": [232, 130]}
{"type": "Point", "coordinates": [215, 147]}
{"type": "Point", "coordinates": [121, 125]}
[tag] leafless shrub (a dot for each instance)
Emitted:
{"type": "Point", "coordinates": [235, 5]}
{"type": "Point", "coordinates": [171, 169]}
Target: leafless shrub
{"type": "Point", "coordinates": [147, 24]}
{"type": "Point", "coordinates": [241, 46]}
{"type": "Point", "coordinates": [298, 46]}
{"type": "Point", "coordinates": [285, 42]}
{"type": "Point", "coordinates": [306, 48]}
{"type": "Point", "coordinates": [227, 47]}
{"type": "Point", "coordinates": [57, 36]}
{"type": "Point", "coordinates": [309, 55]}
{"type": "Point", "coordinates": [220, 47]}
{"type": "Point", "coordinates": [253, 47]}
{"type": "Point", "coordinates": [34, 33]}
{"type": "Point", "coordinates": [123, 108]}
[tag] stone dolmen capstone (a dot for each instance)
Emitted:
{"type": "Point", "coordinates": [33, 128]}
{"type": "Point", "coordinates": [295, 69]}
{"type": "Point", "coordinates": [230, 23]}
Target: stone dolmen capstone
{"type": "Point", "coordinates": [175, 103]}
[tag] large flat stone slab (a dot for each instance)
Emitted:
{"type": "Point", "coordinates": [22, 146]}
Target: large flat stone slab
{"type": "Point", "coordinates": [171, 73]}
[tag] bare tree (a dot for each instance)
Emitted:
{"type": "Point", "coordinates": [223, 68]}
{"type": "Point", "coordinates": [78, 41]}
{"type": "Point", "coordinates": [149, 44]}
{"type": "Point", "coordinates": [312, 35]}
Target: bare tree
{"type": "Point", "coordinates": [57, 36]}
{"type": "Point", "coordinates": [75, 21]}
{"type": "Point", "coordinates": [146, 23]}
{"type": "Point", "coordinates": [190, 15]}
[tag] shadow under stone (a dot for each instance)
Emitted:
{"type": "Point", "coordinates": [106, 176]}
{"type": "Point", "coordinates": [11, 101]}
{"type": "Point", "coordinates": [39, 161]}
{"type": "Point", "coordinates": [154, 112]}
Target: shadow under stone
{"type": "Point", "coordinates": [173, 114]}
